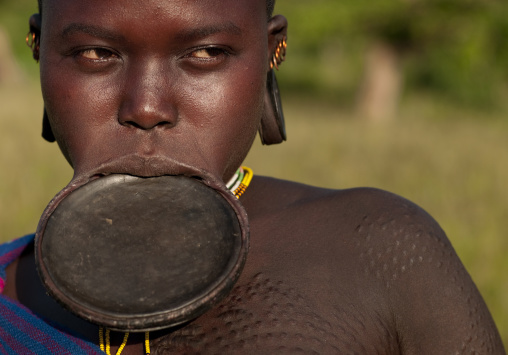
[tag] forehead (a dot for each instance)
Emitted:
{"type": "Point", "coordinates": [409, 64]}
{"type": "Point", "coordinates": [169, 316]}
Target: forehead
{"type": "Point", "coordinates": [149, 13]}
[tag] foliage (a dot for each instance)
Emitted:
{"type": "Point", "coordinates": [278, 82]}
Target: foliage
{"type": "Point", "coordinates": [454, 47]}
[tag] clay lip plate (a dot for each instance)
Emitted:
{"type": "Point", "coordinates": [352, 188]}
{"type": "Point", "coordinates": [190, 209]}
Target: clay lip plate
{"type": "Point", "coordinates": [141, 254]}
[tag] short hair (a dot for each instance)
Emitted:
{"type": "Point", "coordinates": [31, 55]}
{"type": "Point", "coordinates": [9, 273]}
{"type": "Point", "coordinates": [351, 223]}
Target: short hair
{"type": "Point", "coordinates": [270, 4]}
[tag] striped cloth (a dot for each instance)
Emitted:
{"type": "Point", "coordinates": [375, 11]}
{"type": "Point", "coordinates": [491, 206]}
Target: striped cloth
{"type": "Point", "coordinates": [21, 331]}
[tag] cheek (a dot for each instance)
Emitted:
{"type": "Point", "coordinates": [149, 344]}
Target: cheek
{"type": "Point", "coordinates": [76, 105]}
{"type": "Point", "coordinates": [230, 113]}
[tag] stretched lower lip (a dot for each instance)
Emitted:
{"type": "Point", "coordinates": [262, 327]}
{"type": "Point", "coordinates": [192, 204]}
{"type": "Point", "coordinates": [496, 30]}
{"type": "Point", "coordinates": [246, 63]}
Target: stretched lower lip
{"type": "Point", "coordinates": [146, 167]}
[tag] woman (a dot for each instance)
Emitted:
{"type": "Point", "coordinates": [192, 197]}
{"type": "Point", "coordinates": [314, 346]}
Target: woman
{"type": "Point", "coordinates": [178, 87]}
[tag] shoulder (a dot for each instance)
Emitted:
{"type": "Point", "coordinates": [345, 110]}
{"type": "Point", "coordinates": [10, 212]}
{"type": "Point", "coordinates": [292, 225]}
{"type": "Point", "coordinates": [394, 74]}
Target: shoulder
{"type": "Point", "coordinates": [382, 234]}
{"type": "Point", "coordinates": [357, 210]}
{"type": "Point", "coordinates": [290, 192]}
{"type": "Point", "coordinates": [379, 245]}
{"type": "Point", "coordinates": [372, 232]}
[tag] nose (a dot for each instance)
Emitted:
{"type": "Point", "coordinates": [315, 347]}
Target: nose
{"type": "Point", "coordinates": [146, 98]}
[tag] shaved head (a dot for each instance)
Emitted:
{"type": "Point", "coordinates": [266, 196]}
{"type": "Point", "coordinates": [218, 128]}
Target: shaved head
{"type": "Point", "coordinates": [269, 7]}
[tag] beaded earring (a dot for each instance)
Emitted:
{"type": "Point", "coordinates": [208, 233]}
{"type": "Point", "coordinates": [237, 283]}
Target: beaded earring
{"type": "Point", "coordinates": [280, 54]}
{"type": "Point", "coordinates": [272, 128]}
{"type": "Point", "coordinates": [32, 41]}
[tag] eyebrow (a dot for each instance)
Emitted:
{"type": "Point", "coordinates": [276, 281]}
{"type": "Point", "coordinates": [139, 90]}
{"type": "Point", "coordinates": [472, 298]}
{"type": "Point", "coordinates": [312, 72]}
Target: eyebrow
{"type": "Point", "coordinates": [90, 30]}
{"type": "Point", "coordinates": [201, 32]}
{"type": "Point", "coordinates": [186, 35]}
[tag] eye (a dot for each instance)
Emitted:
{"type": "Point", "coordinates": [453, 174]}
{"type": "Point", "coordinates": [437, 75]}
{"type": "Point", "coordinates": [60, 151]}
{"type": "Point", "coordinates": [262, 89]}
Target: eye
{"type": "Point", "coordinates": [96, 54]}
{"type": "Point", "coordinates": [208, 53]}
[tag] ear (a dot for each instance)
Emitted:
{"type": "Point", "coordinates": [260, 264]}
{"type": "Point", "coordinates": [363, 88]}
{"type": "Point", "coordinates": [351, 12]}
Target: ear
{"type": "Point", "coordinates": [35, 23]}
{"type": "Point", "coordinates": [277, 31]}
{"type": "Point", "coordinates": [35, 32]}
{"type": "Point", "coordinates": [34, 36]}
{"type": "Point", "coordinates": [272, 129]}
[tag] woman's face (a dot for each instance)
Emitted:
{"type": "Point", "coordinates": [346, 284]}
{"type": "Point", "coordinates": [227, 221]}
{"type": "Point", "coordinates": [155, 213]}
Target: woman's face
{"type": "Point", "coordinates": [140, 81]}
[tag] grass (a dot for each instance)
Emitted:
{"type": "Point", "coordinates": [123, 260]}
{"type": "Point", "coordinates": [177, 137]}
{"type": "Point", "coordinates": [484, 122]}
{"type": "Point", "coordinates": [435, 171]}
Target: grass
{"type": "Point", "coordinates": [31, 170]}
{"type": "Point", "coordinates": [449, 161]}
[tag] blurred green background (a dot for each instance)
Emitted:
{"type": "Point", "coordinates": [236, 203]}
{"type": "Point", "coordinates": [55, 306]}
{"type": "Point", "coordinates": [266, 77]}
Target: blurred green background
{"type": "Point", "coordinates": [409, 96]}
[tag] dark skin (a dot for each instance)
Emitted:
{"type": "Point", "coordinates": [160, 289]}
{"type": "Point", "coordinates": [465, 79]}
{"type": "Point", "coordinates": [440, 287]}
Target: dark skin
{"type": "Point", "coordinates": [130, 87]}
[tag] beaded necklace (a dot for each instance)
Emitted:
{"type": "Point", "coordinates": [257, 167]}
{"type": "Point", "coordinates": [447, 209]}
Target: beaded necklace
{"type": "Point", "coordinates": [240, 181]}
{"type": "Point", "coordinates": [237, 185]}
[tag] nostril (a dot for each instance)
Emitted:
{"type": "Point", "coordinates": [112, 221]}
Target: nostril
{"type": "Point", "coordinates": [164, 124]}
{"type": "Point", "coordinates": [130, 123]}
{"type": "Point", "coordinates": [146, 112]}
{"type": "Point", "coordinates": [145, 126]}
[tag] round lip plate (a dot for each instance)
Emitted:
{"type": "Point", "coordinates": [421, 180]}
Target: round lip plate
{"type": "Point", "coordinates": [140, 254]}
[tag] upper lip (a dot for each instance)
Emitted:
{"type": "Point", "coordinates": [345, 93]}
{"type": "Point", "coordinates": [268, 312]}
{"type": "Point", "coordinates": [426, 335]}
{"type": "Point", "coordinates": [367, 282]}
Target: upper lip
{"type": "Point", "coordinates": [146, 166]}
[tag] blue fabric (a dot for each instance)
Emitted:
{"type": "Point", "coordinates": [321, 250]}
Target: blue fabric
{"type": "Point", "coordinates": [10, 251]}
{"type": "Point", "coordinates": [22, 331]}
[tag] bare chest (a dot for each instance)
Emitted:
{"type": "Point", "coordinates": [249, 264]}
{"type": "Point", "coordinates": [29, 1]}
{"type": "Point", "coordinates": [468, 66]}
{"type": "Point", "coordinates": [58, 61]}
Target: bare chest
{"type": "Point", "coordinates": [267, 316]}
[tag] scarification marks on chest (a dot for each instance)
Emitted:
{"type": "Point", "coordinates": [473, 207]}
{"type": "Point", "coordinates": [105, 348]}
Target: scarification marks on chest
{"type": "Point", "coordinates": [264, 316]}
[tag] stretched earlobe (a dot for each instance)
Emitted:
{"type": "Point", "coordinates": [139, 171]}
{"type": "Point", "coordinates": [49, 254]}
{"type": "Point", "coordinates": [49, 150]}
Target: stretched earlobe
{"type": "Point", "coordinates": [33, 41]}
{"type": "Point", "coordinates": [47, 132]}
{"type": "Point", "coordinates": [272, 129]}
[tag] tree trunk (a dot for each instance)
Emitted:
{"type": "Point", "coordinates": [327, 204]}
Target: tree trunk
{"type": "Point", "coordinates": [10, 73]}
{"type": "Point", "coordinates": [381, 88]}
